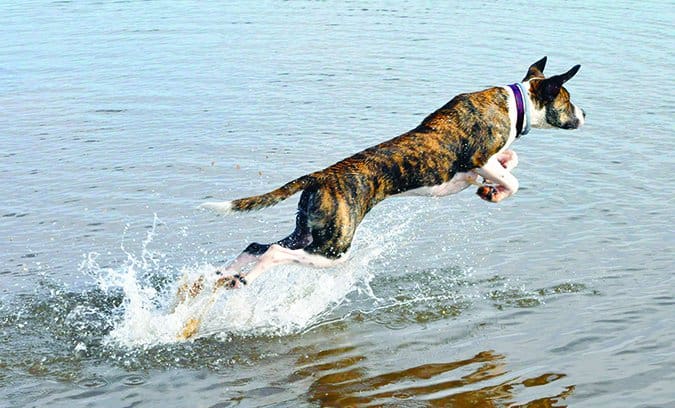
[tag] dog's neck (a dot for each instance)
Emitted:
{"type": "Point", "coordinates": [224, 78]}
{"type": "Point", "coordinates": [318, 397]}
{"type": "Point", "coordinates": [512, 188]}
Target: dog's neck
{"type": "Point", "coordinates": [536, 110]}
{"type": "Point", "coordinates": [523, 109]}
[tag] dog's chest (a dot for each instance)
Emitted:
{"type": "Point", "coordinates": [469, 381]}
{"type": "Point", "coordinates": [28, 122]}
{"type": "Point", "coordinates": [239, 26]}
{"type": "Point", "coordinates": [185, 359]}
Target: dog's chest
{"type": "Point", "coordinates": [513, 114]}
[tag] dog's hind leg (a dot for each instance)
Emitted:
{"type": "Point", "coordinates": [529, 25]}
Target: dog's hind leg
{"type": "Point", "coordinates": [257, 253]}
{"type": "Point", "coordinates": [322, 237]}
{"type": "Point", "coordinates": [278, 255]}
{"type": "Point", "coordinates": [287, 250]}
{"type": "Point", "coordinates": [299, 238]}
{"type": "Point", "coordinates": [247, 256]}
{"type": "Point", "coordinates": [254, 254]}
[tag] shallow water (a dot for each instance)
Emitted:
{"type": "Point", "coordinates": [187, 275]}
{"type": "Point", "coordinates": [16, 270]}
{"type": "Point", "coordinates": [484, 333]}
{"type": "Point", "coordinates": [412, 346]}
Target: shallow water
{"type": "Point", "coordinates": [119, 118]}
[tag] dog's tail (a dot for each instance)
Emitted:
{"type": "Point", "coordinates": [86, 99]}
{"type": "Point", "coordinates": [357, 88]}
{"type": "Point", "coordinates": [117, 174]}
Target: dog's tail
{"type": "Point", "coordinates": [260, 201]}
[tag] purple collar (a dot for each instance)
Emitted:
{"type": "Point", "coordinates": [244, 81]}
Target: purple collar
{"type": "Point", "coordinates": [520, 109]}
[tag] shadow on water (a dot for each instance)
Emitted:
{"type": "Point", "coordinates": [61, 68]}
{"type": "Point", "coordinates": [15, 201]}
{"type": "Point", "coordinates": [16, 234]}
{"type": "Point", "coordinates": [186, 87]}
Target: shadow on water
{"type": "Point", "coordinates": [342, 379]}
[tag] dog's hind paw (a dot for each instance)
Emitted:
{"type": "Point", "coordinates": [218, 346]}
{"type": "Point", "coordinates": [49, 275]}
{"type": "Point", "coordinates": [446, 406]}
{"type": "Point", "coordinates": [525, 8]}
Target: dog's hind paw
{"type": "Point", "coordinates": [189, 329]}
{"type": "Point", "coordinates": [230, 282]}
{"type": "Point", "coordinates": [188, 291]}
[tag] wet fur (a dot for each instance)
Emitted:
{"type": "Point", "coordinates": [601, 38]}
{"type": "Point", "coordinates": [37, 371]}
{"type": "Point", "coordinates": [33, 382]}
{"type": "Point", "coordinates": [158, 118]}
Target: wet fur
{"type": "Point", "coordinates": [462, 140]}
{"type": "Point", "coordinates": [460, 137]}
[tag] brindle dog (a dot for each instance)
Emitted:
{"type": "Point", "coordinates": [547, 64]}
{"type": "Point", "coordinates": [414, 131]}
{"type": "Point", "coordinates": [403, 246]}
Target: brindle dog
{"type": "Point", "coordinates": [466, 138]}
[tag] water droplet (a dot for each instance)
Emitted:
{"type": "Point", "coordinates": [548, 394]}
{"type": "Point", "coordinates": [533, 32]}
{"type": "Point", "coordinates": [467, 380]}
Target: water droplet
{"type": "Point", "coordinates": [133, 380]}
{"type": "Point", "coordinates": [94, 381]}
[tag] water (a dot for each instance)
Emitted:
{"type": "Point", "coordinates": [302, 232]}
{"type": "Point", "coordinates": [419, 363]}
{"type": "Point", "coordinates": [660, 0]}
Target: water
{"type": "Point", "coordinates": [118, 118]}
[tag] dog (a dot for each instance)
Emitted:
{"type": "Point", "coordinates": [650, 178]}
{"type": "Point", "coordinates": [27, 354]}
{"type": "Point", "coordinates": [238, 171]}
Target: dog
{"type": "Point", "coordinates": [467, 138]}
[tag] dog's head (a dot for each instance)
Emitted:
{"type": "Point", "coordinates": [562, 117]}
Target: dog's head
{"type": "Point", "coordinates": [551, 105]}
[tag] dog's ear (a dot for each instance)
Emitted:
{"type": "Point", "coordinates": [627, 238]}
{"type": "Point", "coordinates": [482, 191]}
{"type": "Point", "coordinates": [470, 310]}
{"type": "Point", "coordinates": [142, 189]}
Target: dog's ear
{"type": "Point", "coordinates": [569, 74]}
{"type": "Point", "coordinates": [536, 70]}
{"type": "Point", "coordinates": [550, 87]}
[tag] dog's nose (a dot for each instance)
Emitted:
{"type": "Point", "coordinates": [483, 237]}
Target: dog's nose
{"type": "Point", "coordinates": [583, 112]}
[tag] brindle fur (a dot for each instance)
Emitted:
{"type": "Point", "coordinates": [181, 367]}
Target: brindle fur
{"type": "Point", "coordinates": [459, 137]}
{"type": "Point", "coordinates": [466, 137]}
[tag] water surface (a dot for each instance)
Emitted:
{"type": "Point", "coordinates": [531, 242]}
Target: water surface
{"type": "Point", "coordinates": [119, 118]}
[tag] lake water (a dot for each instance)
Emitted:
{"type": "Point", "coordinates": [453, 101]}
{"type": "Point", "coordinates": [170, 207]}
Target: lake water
{"type": "Point", "coordinates": [118, 118]}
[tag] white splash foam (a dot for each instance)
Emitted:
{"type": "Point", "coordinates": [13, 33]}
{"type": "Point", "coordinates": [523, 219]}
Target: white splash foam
{"type": "Point", "coordinates": [287, 299]}
{"type": "Point", "coordinates": [284, 301]}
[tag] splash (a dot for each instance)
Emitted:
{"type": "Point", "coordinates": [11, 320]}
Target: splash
{"type": "Point", "coordinates": [287, 299]}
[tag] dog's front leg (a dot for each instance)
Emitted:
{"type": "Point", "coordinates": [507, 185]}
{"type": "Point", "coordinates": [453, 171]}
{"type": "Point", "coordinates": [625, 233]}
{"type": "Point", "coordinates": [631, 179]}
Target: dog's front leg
{"type": "Point", "coordinates": [508, 159]}
{"type": "Point", "coordinates": [494, 171]}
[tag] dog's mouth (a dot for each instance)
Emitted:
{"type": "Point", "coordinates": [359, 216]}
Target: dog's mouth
{"type": "Point", "coordinates": [573, 124]}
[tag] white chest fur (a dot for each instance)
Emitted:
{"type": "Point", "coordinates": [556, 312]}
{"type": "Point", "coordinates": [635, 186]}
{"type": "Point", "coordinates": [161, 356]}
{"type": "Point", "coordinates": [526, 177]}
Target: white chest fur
{"type": "Point", "coordinates": [513, 116]}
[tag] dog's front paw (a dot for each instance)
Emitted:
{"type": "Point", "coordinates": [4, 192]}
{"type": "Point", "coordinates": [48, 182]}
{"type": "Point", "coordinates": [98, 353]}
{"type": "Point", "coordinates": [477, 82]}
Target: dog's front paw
{"type": "Point", "coordinates": [230, 282]}
{"type": "Point", "coordinates": [493, 194]}
{"type": "Point", "coordinates": [508, 159]}
{"type": "Point", "coordinates": [487, 193]}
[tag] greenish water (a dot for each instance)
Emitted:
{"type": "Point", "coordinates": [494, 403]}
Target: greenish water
{"type": "Point", "coordinates": [118, 118]}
